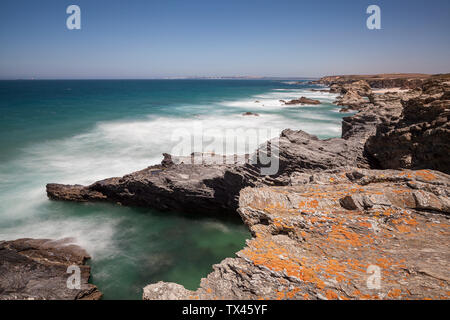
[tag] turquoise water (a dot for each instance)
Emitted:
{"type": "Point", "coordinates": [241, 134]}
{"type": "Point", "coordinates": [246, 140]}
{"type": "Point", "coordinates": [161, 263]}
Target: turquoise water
{"type": "Point", "coordinates": [83, 131]}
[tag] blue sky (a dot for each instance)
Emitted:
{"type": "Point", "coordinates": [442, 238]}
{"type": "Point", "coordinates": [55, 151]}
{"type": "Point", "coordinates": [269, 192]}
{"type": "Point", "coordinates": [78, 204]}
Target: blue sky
{"type": "Point", "coordinates": [168, 38]}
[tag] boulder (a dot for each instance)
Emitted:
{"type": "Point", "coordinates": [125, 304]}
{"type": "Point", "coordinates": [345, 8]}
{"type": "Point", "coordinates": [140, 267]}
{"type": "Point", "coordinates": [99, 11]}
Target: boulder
{"type": "Point", "coordinates": [37, 269]}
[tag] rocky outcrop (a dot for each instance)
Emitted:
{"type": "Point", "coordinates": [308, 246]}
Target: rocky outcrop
{"type": "Point", "coordinates": [185, 187]}
{"type": "Point", "coordinates": [353, 95]}
{"type": "Point", "coordinates": [379, 81]}
{"type": "Point", "coordinates": [380, 108]}
{"type": "Point", "coordinates": [188, 184]}
{"type": "Point", "coordinates": [328, 224]}
{"type": "Point", "coordinates": [302, 152]}
{"type": "Point", "coordinates": [419, 137]}
{"type": "Point", "coordinates": [250, 114]}
{"type": "Point", "coordinates": [361, 88]}
{"type": "Point", "coordinates": [353, 234]}
{"type": "Point", "coordinates": [32, 269]}
{"type": "Point", "coordinates": [351, 100]}
{"type": "Point", "coordinates": [302, 101]}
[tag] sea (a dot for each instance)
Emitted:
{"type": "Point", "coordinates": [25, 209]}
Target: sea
{"type": "Point", "coordinates": [81, 131]}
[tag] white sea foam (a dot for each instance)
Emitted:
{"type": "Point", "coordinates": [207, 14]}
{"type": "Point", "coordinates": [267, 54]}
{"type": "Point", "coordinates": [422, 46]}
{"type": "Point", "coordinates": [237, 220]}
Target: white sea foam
{"type": "Point", "coordinates": [272, 99]}
{"type": "Point", "coordinates": [115, 148]}
{"type": "Point", "coordinates": [92, 233]}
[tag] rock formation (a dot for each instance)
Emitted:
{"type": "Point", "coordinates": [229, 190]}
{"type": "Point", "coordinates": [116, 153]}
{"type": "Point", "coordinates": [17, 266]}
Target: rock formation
{"type": "Point", "coordinates": [399, 80]}
{"type": "Point", "coordinates": [329, 224]}
{"type": "Point", "coordinates": [419, 138]}
{"type": "Point", "coordinates": [214, 187]}
{"type": "Point", "coordinates": [32, 269]}
{"type": "Point", "coordinates": [329, 235]}
{"type": "Point", "coordinates": [302, 101]}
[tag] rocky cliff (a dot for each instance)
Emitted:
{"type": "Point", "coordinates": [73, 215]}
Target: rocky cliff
{"type": "Point", "coordinates": [394, 80]}
{"type": "Point", "coordinates": [329, 224]}
{"type": "Point", "coordinates": [419, 137]}
{"type": "Point", "coordinates": [37, 269]}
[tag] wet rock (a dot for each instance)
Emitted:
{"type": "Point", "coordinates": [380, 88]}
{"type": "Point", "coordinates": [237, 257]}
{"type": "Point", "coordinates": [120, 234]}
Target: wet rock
{"type": "Point", "coordinates": [250, 114]}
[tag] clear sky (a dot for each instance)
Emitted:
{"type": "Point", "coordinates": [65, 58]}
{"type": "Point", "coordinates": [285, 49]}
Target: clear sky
{"type": "Point", "coordinates": [168, 38]}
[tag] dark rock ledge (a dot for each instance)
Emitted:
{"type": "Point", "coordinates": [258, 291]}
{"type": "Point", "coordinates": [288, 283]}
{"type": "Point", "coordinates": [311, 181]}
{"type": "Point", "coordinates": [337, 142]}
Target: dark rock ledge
{"type": "Point", "coordinates": [36, 269]}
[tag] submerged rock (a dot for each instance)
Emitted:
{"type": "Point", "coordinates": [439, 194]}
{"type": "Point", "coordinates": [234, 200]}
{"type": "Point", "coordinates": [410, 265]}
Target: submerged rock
{"type": "Point", "coordinates": [37, 269]}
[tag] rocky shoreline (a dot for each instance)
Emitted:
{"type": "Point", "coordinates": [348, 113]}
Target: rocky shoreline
{"type": "Point", "coordinates": [337, 211]}
{"type": "Point", "coordinates": [327, 232]}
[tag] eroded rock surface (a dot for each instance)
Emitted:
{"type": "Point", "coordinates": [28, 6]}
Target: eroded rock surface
{"type": "Point", "coordinates": [185, 187]}
{"type": "Point", "coordinates": [36, 269]}
{"type": "Point", "coordinates": [419, 137]}
{"type": "Point", "coordinates": [326, 236]}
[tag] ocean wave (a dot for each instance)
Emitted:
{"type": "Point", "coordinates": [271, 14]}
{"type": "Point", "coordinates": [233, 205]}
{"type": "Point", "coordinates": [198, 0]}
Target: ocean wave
{"type": "Point", "coordinates": [116, 148]}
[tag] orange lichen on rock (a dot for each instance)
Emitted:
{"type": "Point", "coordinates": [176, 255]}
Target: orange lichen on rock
{"type": "Point", "coordinates": [426, 175]}
{"type": "Point", "coordinates": [276, 258]}
{"type": "Point", "coordinates": [394, 293]}
{"type": "Point", "coordinates": [340, 234]}
{"type": "Point", "coordinates": [331, 295]}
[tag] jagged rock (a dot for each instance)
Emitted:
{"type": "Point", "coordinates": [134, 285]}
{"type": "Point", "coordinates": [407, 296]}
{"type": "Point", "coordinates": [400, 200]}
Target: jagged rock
{"type": "Point", "coordinates": [300, 151]}
{"type": "Point", "coordinates": [360, 88]}
{"type": "Point", "coordinates": [167, 161]}
{"type": "Point", "coordinates": [419, 137]}
{"type": "Point", "coordinates": [185, 187]}
{"type": "Point", "coordinates": [406, 81]}
{"type": "Point", "coordinates": [330, 239]}
{"type": "Point", "coordinates": [36, 269]}
{"type": "Point", "coordinates": [352, 100]}
{"type": "Point", "coordinates": [179, 184]}
{"type": "Point", "coordinates": [302, 101]}
{"type": "Point", "coordinates": [353, 95]}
